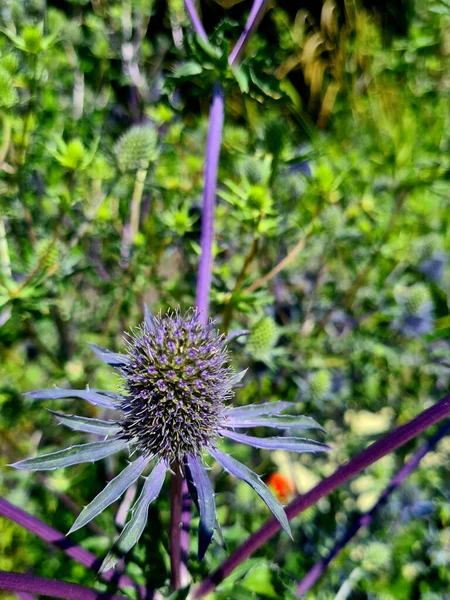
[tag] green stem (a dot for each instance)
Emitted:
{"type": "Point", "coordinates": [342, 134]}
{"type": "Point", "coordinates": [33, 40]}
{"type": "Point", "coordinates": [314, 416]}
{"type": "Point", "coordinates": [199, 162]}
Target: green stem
{"type": "Point", "coordinates": [6, 138]}
{"type": "Point", "coordinates": [136, 200]}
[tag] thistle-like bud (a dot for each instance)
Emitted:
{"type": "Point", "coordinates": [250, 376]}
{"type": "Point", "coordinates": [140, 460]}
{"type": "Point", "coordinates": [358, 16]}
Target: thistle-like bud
{"type": "Point", "coordinates": [177, 381]}
{"type": "Point", "coordinates": [32, 39]}
{"type": "Point", "coordinates": [417, 297]}
{"type": "Point", "coordinates": [136, 148]}
{"type": "Point", "coordinates": [8, 94]}
{"type": "Point", "coordinates": [319, 384]}
{"type": "Point", "coordinates": [332, 220]}
{"type": "Point", "coordinates": [9, 62]}
{"type": "Point", "coordinates": [263, 337]}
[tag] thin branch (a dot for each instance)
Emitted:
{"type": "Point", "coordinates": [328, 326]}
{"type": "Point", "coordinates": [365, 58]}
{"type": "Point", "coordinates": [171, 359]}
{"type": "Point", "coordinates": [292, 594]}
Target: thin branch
{"type": "Point", "coordinates": [256, 14]}
{"type": "Point", "coordinates": [292, 254]}
{"type": "Point", "coordinates": [366, 518]}
{"type": "Point", "coordinates": [372, 454]}
{"type": "Point", "coordinates": [24, 583]}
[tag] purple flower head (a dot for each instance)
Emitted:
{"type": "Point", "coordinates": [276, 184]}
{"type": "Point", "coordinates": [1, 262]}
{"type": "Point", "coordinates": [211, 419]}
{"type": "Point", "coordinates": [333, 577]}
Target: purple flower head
{"type": "Point", "coordinates": [176, 347]}
{"type": "Point", "coordinates": [177, 380]}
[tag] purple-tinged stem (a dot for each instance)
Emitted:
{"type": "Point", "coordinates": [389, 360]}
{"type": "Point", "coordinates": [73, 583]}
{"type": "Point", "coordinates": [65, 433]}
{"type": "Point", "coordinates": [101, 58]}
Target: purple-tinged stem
{"type": "Point", "coordinates": [213, 143]}
{"type": "Point", "coordinates": [257, 11]}
{"type": "Point", "coordinates": [26, 584]}
{"type": "Point", "coordinates": [58, 539]}
{"type": "Point", "coordinates": [365, 519]}
{"type": "Point", "coordinates": [374, 452]}
{"type": "Point", "coordinates": [195, 19]}
{"type": "Point", "coordinates": [24, 596]}
{"type": "Point", "coordinates": [175, 528]}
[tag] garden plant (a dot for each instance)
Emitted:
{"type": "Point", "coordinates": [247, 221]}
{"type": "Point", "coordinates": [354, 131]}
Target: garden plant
{"type": "Point", "coordinates": [224, 299]}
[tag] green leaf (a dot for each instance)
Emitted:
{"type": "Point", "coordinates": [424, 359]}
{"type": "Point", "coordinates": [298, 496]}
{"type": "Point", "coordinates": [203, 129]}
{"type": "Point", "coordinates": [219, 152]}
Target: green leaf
{"type": "Point", "coordinates": [189, 69]}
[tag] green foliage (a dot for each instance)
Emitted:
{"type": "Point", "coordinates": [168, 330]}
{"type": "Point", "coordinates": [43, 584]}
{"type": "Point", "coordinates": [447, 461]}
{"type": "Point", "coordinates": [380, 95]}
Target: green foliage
{"type": "Point", "coordinates": [333, 192]}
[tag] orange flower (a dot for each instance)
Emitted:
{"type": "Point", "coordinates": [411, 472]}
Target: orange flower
{"type": "Point", "coordinates": [282, 486]}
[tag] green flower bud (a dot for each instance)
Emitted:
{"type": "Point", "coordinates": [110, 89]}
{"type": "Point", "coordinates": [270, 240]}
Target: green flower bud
{"type": "Point", "coordinates": [319, 384]}
{"type": "Point", "coordinates": [263, 337]}
{"type": "Point", "coordinates": [136, 148]}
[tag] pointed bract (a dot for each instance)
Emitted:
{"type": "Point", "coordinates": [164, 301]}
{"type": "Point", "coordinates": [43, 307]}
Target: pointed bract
{"type": "Point", "coordinates": [237, 469]}
{"type": "Point", "coordinates": [87, 424]}
{"type": "Point", "coordinates": [254, 410]}
{"type": "Point", "coordinates": [135, 526]}
{"type": "Point", "coordinates": [291, 444]}
{"type": "Point", "coordinates": [206, 504]}
{"type": "Point", "coordinates": [92, 396]}
{"type": "Point", "coordinates": [115, 488]}
{"type": "Point", "coordinates": [237, 421]}
{"type": "Point", "coordinates": [114, 359]}
{"type": "Point", "coordinates": [72, 456]}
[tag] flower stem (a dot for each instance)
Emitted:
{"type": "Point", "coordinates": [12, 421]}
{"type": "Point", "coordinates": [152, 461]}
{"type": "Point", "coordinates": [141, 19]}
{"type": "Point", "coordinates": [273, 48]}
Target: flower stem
{"type": "Point", "coordinates": [22, 582]}
{"type": "Point", "coordinates": [136, 201]}
{"type": "Point", "coordinates": [175, 528]}
{"type": "Point", "coordinates": [366, 518]}
{"type": "Point", "coordinates": [213, 143]}
{"type": "Point", "coordinates": [256, 14]}
{"type": "Point", "coordinates": [373, 453]}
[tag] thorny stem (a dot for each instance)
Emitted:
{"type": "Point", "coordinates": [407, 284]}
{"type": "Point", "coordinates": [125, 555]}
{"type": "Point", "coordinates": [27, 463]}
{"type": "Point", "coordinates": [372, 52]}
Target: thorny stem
{"type": "Point", "coordinates": [366, 518]}
{"type": "Point", "coordinates": [22, 582]}
{"type": "Point", "coordinates": [364, 459]}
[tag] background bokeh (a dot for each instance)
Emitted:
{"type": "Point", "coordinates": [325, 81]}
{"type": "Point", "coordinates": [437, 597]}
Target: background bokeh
{"type": "Point", "coordinates": [335, 155]}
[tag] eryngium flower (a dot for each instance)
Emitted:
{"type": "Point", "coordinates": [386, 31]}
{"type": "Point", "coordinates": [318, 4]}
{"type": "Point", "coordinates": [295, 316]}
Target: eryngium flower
{"type": "Point", "coordinates": [177, 380]}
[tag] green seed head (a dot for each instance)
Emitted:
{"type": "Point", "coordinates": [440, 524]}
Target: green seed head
{"type": "Point", "coordinates": [263, 337]}
{"type": "Point", "coordinates": [319, 384]}
{"type": "Point", "coordinates": [136, 148]}
{"type": "Point", "coordinates": [417, 296]}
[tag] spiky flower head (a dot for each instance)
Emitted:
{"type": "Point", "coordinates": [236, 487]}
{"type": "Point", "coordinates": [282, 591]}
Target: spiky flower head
{"type": "Point", "coordinates": [332, 220]}
{"type": "Point", "coordinates": [263, 337]}
{"type": "Point", "coordinates": [136, 148]}
{"type": "Point", "coordinates": [177, 381]}
{"type": "Point", "coordinates": [319, 384]}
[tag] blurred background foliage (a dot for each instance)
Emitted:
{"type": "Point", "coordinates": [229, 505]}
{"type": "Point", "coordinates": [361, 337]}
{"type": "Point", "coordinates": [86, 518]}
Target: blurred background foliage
{"type": "Point", "coordinates": [331, 248]}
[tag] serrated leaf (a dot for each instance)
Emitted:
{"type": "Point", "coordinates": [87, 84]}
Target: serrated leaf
{"type": "Point", "coordinates": [205, 501]}
{"type": "Point", "coordinates": [266, 408]}
{"type": "Point", "coordinates": [236, 378]}
{"type": "Point", "coordinates": [276, 421]}
{"type": "Point", "coordinates": [114, 359]}
{"type": "Point", "coordinates": [237, 469]}
{"type": "Point", "coordinates": [95, 397]}
{"type": "Point", "coordinates": [72, 456]}
{"type": "Point", "coordinates": [115, 488]}
{"type": "Point", "coordinates": [87, 424]}
{"type": "Point", "coordinates": [290, 444]}
{"type": "Point", "coordinates": [135, 526]}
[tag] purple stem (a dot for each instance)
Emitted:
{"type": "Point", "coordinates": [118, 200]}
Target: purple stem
{"type": "Point", "coordinates": [365, 519]}
{"type": "Point", "coordinates": [374, 452]}
{"type": "Point", "coordinates": [195, 19]}
{"type": "Point", "coordinates": [213, 143]}
{"type": "Point", "coordinates": [24, 596]}
{"type": "Point", "coordinates": [58, 539]}
{"type": "Point", "coordinates": [256, 14]}
{"type": "Point", "coordinates": [27, 584]}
